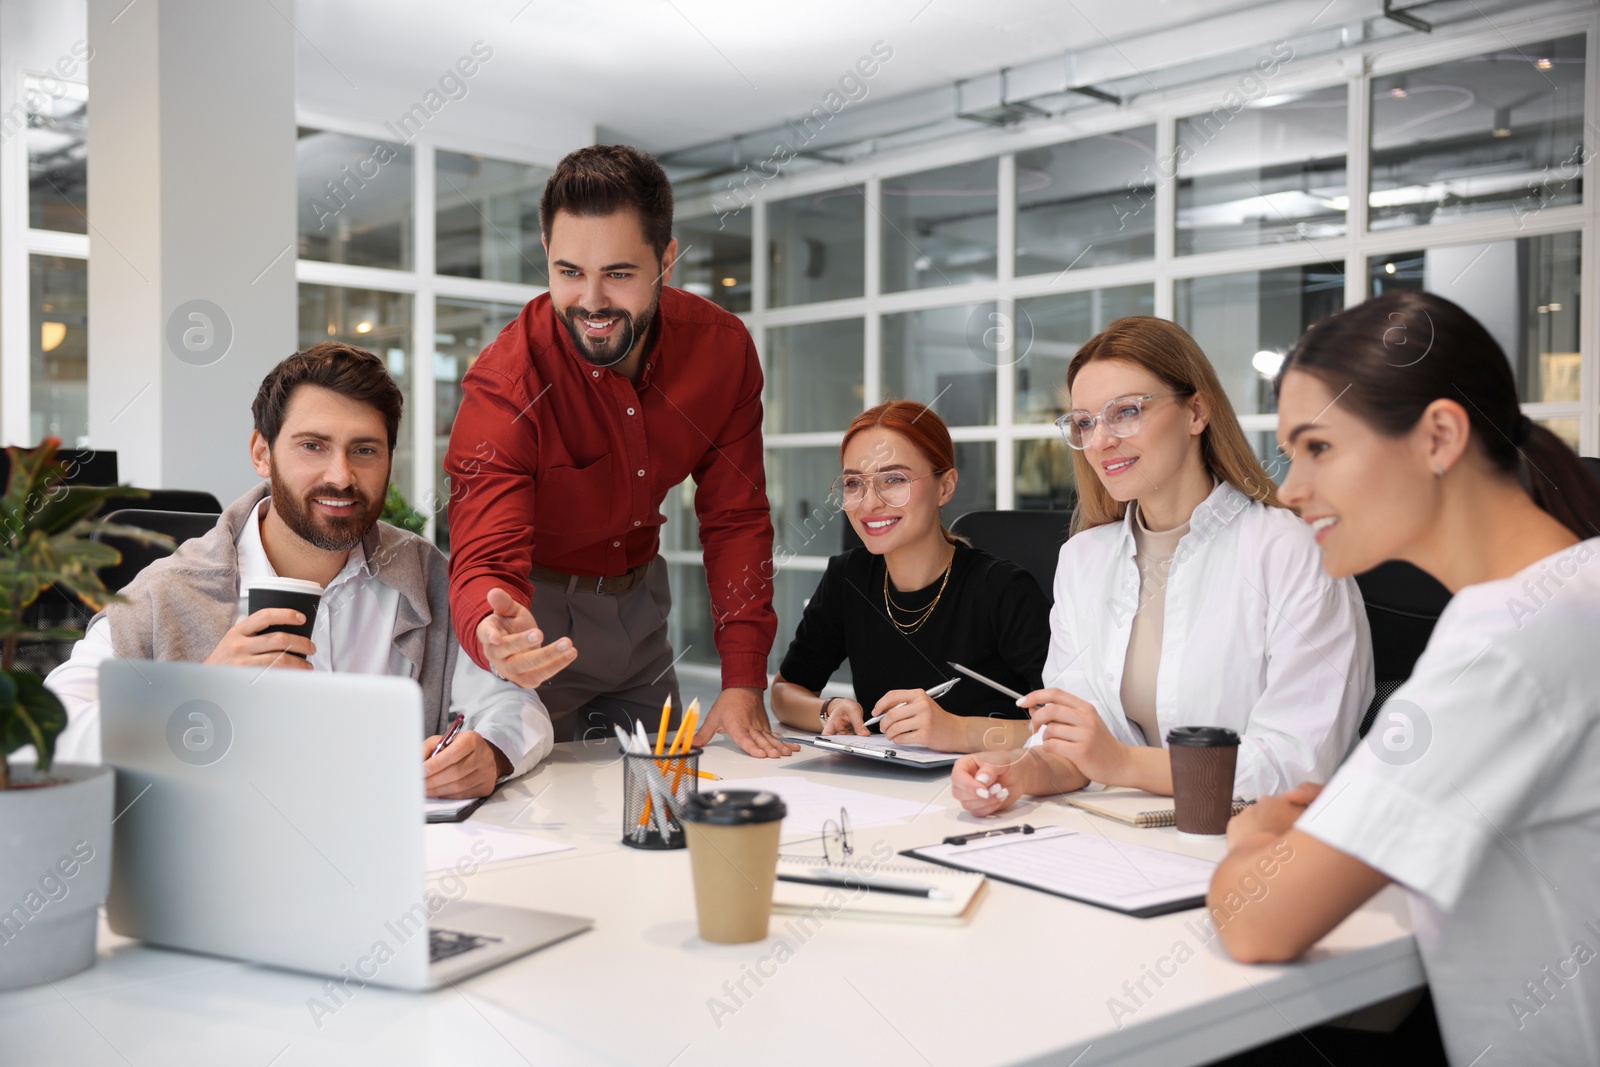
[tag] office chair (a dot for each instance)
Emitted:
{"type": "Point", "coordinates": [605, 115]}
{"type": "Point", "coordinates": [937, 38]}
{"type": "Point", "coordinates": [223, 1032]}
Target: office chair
{"type": "Point", "coordinates": [194, 501]}
{"type": "Point", "coordinates": [1592, 463]}
{"type": "Point", "coordinates": [178, 525]}
{"type": "Point", "coordinates": [1403, 604]}
{"type": "Point", "coordinates": [1030, 539]}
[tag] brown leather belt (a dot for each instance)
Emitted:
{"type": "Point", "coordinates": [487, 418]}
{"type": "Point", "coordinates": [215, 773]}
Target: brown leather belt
{"type": "Point", "coordinates": [604, 585]}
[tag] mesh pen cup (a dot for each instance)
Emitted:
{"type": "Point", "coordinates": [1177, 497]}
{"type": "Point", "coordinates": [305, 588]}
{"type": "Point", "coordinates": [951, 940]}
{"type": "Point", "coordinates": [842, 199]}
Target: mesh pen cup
{"type": "Point", "coordinates": [733, 852]}
{"type": "Point", "coordinates": [1203, 763]}
{"type": "Point", "coordinates": [644, 822]}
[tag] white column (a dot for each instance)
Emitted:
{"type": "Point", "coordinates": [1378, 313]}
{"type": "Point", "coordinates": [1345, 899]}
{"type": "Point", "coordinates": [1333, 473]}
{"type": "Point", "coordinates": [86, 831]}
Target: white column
{"type": "Point", "coordinates": [192, 232]}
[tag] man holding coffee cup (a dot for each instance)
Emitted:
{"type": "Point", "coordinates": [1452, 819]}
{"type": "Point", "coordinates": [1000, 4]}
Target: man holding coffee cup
{"type": "Point", "coordinates": [299, 574]}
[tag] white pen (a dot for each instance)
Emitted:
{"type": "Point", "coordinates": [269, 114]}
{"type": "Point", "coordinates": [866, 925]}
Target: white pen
{"type": "Point", "coordinates": [936, 692]}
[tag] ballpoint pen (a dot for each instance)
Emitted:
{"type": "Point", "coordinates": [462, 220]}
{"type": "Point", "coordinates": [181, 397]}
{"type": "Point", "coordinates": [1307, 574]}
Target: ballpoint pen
{"type": "Point", "coordinates": [962, 839]}
{"type": "Point", "coordinates": [936, 692]}
{"type": "Point", "coordinates": [844, 880]}
{"type": "Point", "coordinates": [449, 735]}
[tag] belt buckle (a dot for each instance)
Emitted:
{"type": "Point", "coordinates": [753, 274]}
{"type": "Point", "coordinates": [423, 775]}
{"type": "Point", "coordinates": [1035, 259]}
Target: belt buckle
{"type": "Point", "coordinates": [600, 586]}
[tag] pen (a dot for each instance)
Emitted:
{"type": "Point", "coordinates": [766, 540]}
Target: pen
{"type": "Point", "coordinates": [877, 885]}
{"type": "Point", "coordinates": [829, 742]}
{"type": "Point", "coordinates": [449, 735]}
{"type": "Point", "coordinates": [992, 684]}
{"type": "Point", "coordinates": [936, 692]}
{"type": "Point", "coordinates": [961, 839]}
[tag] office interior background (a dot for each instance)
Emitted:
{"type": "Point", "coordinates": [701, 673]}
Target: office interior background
{"type": "Point", "coordinates": [934, 200]}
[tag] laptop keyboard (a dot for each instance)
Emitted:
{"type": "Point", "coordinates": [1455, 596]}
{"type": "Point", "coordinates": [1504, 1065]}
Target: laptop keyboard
{"type": "Point", "coordinates": [443, 944]}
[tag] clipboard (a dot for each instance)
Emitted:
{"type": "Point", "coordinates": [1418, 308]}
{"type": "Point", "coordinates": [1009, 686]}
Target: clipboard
{"type": "Point", "coordinates": [878, 747]}
{"type": "Point", "coordinates": [1135, 880]}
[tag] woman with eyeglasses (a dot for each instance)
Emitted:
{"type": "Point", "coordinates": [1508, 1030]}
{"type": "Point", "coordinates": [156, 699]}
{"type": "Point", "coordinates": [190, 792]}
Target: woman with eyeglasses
{"type": "Point", "coordinates": [1478, 789]}
{"type": "Point", "coordinates": [915, 598]}
{"type": "Point", "coordinates": [1188, 595]}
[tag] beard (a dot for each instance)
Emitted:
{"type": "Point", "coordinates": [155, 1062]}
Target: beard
{"type": "Point", "coordinates": [331, 533]}
{"type": "Point", "coordinates": [609, 351]}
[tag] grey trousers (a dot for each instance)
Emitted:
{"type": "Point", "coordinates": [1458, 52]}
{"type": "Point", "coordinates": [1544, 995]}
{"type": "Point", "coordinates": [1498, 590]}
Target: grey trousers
{"type": "Point", "coordinates": [624, 667]}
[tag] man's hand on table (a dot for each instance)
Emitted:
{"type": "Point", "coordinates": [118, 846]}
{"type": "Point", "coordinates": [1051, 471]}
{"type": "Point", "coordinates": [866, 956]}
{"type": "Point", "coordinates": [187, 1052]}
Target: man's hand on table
{"type": "Point", "coordinates": [741, 715]}
{"type": "Point", "coordinates": [514, 646]}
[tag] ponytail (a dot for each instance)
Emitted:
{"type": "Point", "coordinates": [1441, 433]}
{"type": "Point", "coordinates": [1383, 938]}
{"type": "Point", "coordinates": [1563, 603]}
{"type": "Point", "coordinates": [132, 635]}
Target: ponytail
{"type": "Point", "coordinates": [1558, 482]}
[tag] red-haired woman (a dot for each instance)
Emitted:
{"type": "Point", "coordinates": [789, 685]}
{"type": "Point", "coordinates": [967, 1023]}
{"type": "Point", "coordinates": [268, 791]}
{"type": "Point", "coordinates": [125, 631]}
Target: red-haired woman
{"type": "Point", "coordinates": [915, 598]}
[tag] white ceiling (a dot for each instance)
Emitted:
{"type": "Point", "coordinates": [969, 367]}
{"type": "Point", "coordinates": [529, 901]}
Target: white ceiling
{"type": "Point", "coordinates": [666, 74]}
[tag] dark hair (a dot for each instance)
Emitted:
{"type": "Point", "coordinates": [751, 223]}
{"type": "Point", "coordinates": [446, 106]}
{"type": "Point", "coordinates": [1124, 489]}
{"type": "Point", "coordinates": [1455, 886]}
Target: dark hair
{"type": "Point", "coordinates": [1391, 357]}
{"type": "Point", "coordinates": [346, 369]}
{"type": "Point", "coordinates": [607, 178]}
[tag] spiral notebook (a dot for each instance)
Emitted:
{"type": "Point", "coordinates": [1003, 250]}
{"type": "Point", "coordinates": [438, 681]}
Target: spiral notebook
{"type": "Point", "coordinates": [962, 889]}
{"type": "Point", "coordinates": [1135, 807]}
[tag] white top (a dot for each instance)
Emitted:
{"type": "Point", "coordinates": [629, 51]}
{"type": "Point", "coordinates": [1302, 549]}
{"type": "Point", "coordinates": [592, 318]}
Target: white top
{"type": "Point", "coordinates": [353, 633]}
{"type": "Point", "coordinates": [1478, 789]}
{"type": "Point", "coordinates": [1255, 637]}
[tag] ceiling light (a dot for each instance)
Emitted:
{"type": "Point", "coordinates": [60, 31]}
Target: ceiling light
{"type": "Point", "coordinates": [1542, 63]}
{"type": "Point", "coordinates": [729, 283]}
{"type": "Point", "coordinates": [51, 334]}
{"type": "Point", "coordinates": [1388, 268]}
{"type": "Point", "coordinates": [363, 327]}
{"type": "Point", "coordinates": [1554, 306]}
{"type": "Point", "coordinates": [1267, 362]}
{"type": "Point", "coordinates": [1502, 122]}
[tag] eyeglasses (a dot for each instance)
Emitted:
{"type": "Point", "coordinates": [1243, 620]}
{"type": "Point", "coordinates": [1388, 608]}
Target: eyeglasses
{"type": "Point", "coordinates": [835, 837]}
{"type": "Point", "coordinates": [1120, 415]}
{"type": "Point", "coordinates": [849, 491]}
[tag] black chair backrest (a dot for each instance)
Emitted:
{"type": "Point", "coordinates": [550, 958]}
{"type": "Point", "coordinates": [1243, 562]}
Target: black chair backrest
{"type": "Point", "coordinates": [1593, 464]}
{"type": "Point", "coordinates": [1030, 539]}
{"type": "Point", "coordinates": [1403, 603]}
{"type": "Point", "coordinates": [178, 525]}
{"type": "Point", "coordinates": [193, 501]}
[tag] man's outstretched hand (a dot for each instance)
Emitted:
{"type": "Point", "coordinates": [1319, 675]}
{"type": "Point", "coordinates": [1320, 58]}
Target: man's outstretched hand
{"type": "Point", "coordinates": [514, 646]}
{"type": "Point", "coordinates": [741, 715]}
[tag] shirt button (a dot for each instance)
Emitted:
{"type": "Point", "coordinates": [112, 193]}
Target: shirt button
{"type": "Point", "coordinates": [636, 522]}
{"type": "Point", "coordinates": [630, 411]}
{"type": "Point", "coordinates": [641, 473]}
{"type": "Point", "coordinates": [595, 373]}
{"type": "Point", "coordinates": [616, 544]}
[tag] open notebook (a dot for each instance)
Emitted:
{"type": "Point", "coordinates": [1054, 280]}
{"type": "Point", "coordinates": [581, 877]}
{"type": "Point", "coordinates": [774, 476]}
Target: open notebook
{"type": "Point", "coordinates": [1135, 807]}
{"type": "Point", "coordinates": [961, 889]}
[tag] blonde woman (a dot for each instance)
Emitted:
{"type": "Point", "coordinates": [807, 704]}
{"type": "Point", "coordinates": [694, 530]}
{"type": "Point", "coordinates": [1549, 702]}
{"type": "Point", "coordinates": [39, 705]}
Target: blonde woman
{"type": "Point", "coordinates": [1188, 595]}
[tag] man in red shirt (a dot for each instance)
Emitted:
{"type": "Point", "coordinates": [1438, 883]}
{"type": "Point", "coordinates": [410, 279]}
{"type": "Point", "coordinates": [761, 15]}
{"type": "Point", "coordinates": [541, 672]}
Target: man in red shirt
{"type": "Point", "coordinates": [575, 422]}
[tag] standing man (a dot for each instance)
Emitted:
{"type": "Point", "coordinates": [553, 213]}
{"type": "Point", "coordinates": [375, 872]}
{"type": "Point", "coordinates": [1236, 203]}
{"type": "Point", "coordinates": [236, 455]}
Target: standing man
{"type": "Point", "coordinates": [601, 396]}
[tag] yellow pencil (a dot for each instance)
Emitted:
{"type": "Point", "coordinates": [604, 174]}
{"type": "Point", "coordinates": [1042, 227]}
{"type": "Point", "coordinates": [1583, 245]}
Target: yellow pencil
{"type": "Point", "coordinates": [687, 733]}
{"type": "Point", "coordinates": [666, 716]}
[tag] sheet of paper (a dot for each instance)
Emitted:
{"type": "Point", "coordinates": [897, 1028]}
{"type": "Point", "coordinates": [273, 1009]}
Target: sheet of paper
{"type": "Point", "coordinates": [811, 804]}
{"type": "Point", "coordinates": [1086, 866]}
{"type": "Point", "coordinates": [450, 843]}
{"type": "Point", "coordinates": [911, 753]}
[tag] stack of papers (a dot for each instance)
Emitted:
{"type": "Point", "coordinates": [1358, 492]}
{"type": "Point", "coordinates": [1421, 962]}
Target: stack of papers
{"type": "Point", "coordinates": [811, 804]}
{"type": "Point", "coordinates": [451, 844]}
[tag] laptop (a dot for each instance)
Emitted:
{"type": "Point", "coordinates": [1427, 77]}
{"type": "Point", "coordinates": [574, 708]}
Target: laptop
{"type": "Point", "coordinates": [277, 817]}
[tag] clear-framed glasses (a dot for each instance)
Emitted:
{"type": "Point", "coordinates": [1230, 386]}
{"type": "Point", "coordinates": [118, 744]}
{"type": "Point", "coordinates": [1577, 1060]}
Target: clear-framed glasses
{"type": "Point", "coordinates": [892, 487]}
{"type": "Point", "coordinates": [1120, 416]}
{"type": "Point", "coordinates": [837, 847]}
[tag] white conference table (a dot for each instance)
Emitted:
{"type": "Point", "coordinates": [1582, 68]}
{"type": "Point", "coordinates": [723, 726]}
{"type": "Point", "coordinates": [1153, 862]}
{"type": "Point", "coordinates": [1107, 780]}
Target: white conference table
{"type": "Point", "coordinates": [1029, 981]}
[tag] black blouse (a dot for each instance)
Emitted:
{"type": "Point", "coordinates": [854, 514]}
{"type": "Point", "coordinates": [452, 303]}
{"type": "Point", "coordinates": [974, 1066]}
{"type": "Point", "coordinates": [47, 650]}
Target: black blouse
{"type": "Point", "coordinates": [991, 617]}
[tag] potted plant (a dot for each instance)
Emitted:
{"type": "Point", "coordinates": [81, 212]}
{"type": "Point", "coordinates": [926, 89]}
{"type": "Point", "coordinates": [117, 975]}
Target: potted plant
{"type": "Point", "coordinates": [55, 819]}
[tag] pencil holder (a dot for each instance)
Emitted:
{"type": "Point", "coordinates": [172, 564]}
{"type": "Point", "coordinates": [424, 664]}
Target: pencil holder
{"type": "Point", "coordinates": [644, 824]}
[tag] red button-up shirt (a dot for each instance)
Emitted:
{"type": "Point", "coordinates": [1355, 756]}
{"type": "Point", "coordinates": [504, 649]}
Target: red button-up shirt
{"type": "Point", "coordinates": [560, 464]}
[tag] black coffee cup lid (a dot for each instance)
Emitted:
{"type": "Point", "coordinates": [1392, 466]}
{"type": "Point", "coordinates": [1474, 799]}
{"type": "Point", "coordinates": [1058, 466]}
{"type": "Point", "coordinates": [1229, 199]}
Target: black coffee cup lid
{"type": "Point", "coordinates": [734, 807]}
{"type": "Point", "coordinates": [1202, 736]}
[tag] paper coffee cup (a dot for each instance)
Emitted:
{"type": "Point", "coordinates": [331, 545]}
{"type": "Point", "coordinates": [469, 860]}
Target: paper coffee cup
{"type": "Point", "coordinates": [1203, 762]}
{"type": "Point", "coordinates": [733, 851]}
{"type": "Point", "coordinates": [296, 594]}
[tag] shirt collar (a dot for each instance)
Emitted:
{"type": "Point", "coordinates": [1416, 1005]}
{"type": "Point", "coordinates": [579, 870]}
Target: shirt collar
{"type": "Point", "coordinates": [1217, 509]}
{"type": "Point", "coordinates": [253, 561]}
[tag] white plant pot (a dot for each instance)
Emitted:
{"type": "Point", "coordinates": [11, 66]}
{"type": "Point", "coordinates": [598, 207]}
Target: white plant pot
{"type": "Point", "coordinates": [55, 870]}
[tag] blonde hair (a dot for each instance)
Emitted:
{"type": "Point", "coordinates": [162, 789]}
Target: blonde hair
{"type": "Point", "coordinates": [1165, 350]}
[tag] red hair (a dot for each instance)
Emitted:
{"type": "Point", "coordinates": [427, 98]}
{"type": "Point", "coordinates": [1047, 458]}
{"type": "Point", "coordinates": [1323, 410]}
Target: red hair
{"type": "Point", "coordinates": [918, 424]}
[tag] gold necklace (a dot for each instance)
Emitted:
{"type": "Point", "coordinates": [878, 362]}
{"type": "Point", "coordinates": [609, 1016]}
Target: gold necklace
{"type": "Point", "coordinates": [922, 614]}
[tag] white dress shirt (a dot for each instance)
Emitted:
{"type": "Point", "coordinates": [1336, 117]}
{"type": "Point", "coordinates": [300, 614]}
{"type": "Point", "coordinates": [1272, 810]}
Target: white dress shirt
{"type": "Point", "coordinates": [1478, 790]}
{"type": "Point", "coordinates": [353, 633]}
{"type": "Point", "coordinates": [1255, 637]}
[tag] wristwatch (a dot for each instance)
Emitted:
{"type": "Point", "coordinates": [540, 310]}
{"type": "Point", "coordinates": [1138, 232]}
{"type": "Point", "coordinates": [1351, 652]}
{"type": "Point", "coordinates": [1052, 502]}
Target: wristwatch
{"type": "Point", "coordinates": [823, 713]}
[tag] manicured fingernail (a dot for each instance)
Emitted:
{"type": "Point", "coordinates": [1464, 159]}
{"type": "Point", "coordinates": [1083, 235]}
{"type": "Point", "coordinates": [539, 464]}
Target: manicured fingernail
{"type": "Point", "coordinates": [984, 793]}
{"type": "Point", "coordinates": [984, 778]}
{"type": "Point", "coordinates": [563, 644]}
{"type": "Point", "coordinates": [1020, 703]}
{"type": "Point", "coordinates": [999, 792]}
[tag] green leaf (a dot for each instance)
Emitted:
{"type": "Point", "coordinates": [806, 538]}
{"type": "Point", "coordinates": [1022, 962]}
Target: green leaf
{"type": "Point", "coordinates": [34, 717]}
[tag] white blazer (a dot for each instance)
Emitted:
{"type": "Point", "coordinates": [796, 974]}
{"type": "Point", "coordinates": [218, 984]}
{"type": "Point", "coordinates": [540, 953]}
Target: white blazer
{"type": "Point", "coordinates": [1256, 638]}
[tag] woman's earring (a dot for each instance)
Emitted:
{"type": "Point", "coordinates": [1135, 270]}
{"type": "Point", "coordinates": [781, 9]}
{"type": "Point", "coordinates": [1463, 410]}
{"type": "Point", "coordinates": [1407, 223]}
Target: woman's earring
{"type": "Point", "coordinates": [1438, 470]}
